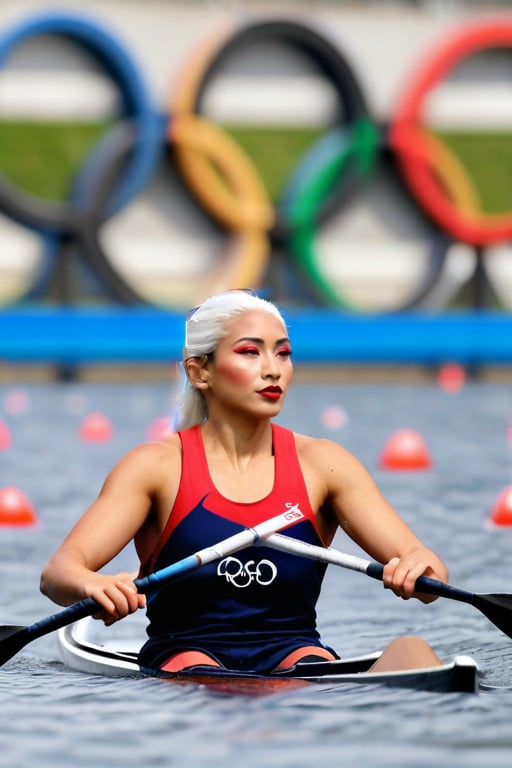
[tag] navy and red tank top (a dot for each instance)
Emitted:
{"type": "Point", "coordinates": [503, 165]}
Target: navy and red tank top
{"type": "Point", "coordinates": [252, 608]}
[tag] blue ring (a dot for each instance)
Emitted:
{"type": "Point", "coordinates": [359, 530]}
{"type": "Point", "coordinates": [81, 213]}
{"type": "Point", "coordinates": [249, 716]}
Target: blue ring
{"type": "Point", "coordinates": [136, 103]}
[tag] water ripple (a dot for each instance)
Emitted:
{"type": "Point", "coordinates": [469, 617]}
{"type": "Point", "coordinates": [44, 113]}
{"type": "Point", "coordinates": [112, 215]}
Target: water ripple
{"type": "Point", "coordinates": [51, 715]}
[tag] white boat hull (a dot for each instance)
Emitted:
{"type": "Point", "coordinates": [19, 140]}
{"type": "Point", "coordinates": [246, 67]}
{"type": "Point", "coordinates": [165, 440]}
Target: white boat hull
{"type": "Point", "coordinates": [81, 653]}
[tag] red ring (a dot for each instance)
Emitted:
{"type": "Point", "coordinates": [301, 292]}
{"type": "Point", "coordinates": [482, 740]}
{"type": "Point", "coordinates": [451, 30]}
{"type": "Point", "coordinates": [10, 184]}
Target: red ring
{"type": "Point", "coordinates": [475, 229]}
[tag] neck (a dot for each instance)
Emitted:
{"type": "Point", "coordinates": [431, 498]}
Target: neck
{"type": "Point", "coordinates": [243, 439]}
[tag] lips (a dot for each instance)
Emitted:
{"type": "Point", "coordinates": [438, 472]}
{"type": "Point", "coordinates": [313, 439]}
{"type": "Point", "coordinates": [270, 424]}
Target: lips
{"type": "Point", "coordinates": [271, 393]}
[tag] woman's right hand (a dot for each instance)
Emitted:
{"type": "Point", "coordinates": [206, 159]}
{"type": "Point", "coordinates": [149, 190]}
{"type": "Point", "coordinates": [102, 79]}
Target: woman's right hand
{"type": "Point", "coordinates": [117, 594]}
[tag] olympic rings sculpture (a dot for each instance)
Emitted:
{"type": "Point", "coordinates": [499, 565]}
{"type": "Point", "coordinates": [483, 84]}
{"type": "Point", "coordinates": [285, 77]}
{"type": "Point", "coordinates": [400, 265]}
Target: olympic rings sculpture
{"type": "Point", "coordinates": [223, 178]}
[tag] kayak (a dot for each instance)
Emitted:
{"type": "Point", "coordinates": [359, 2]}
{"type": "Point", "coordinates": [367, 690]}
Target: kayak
{"type": "Point", "coordinates": [81, 653]}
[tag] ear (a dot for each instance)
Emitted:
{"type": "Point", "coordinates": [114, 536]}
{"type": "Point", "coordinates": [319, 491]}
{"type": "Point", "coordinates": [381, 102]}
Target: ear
{"type": "Point", "coordinates": [197, 372]}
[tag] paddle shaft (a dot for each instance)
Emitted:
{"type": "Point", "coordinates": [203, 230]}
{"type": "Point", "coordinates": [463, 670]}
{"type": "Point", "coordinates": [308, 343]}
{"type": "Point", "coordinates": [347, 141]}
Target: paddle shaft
{"type": "Point", "coordinates": [371, 568]}
{"type": "Point", "coordinates": [20, 636]}
{"type": "Point", "coordinates": [496, 607]}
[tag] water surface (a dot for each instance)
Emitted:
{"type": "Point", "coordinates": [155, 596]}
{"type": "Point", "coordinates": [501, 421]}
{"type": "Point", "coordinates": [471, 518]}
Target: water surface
{"type": "Point", "coordinates": [51, 715]}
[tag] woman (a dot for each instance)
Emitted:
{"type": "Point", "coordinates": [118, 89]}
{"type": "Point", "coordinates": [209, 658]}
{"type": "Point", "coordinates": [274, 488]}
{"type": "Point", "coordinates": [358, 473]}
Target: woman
{"type": "Point", "coordinates": [229, 467]}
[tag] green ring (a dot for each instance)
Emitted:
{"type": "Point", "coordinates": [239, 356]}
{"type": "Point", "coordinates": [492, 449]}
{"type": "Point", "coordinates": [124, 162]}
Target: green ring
{"type": "Point", "coordinates": [361, 154]}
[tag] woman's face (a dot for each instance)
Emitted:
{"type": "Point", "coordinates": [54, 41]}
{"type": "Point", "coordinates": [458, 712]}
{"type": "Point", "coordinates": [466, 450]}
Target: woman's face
{"type": "Point", "coordinates": [252, 369]}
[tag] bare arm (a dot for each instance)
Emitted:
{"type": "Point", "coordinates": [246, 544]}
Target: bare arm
{"type": "Point", "coordinates": [132, 490]}
{"type": "Point", "coordinates": [358, 506]}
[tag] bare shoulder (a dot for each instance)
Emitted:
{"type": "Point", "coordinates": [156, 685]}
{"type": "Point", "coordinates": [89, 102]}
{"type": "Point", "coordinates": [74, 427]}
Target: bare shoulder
{"type": "Point", "coordinates": [325, 455]}
{"type": "Point", "coordinates": [332, 475]}
{"type": "Point", "coordinates": [151, 459]}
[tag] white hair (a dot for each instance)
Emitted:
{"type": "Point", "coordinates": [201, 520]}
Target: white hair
{"type": "Point", "coordinates": [205, 328]}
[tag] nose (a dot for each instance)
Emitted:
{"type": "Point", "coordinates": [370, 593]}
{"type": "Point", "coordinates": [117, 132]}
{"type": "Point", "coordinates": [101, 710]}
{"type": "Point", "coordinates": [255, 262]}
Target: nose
{"type": "Point", "coordinates": [271, 369]}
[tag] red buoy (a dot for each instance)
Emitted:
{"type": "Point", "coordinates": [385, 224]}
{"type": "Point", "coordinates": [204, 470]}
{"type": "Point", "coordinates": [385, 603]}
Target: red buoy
{"type": "Point", "coordinates": [334, 417]}
{"type": "Point", "coordinates": [5, 436]}
{"type": "Point", "coordinates": [451, 377]}
{"type": "Point", "coordinates": [16, 402]}
{"type": "Point", "coordinates": [501, 513]}
{"type": "Point", "coordinates": [160, 429]}
{"type": "Point", "coordinates": [96, 428]}
{"type": "Point", "coordinates": [15, 508]}
{"type": "Point", "coordinates": [405, 449]}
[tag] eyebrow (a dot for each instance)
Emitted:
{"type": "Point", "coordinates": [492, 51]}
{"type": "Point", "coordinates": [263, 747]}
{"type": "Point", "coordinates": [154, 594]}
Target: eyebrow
{"type": "Point", "coordinates": [256, 340]}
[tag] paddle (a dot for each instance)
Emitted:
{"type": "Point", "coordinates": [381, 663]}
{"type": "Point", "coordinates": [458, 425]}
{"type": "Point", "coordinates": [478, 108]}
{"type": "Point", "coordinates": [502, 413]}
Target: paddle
{"type": "Point", "coordinates": [496, 607]}
{"type": "Point", "coordinates": [14, 638]}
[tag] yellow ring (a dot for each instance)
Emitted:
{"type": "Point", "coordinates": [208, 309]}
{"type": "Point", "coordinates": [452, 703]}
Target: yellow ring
{"type": "Point", "coordinates": [230, 186]}
{"type": "Point", "coordinates": [192, 72]}
{"type": "Point", "coordinates": [243, 262]}
{"type": "Point", "coordinates": [208, 146]}
{"type": "Point", "coordinates": [220, 174]}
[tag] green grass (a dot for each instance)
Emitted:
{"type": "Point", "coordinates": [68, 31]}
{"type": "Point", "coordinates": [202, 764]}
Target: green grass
{"type": "Point", "coordinates": [488, 159]}
{"type": "Point", "coordinates": [42, 158]}
{"type": "Point", "coordinates": [274, 150]}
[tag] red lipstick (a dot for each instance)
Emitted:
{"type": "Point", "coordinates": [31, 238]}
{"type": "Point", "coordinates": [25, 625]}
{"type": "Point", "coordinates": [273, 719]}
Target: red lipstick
{"type": "Point", "coordinates": [272, 393]}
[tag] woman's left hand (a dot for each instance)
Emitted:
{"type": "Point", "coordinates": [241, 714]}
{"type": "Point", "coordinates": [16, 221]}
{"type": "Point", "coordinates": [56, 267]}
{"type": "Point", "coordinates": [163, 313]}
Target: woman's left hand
{"type": "Point", "coordinates": [401, 574]}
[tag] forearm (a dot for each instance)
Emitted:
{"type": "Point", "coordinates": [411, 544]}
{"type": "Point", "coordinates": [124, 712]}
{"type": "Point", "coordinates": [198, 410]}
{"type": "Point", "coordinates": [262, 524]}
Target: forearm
{"type": "Point", "coordinates": [384, 535]}
{"type": "Point", "coordinates": [65, 577]}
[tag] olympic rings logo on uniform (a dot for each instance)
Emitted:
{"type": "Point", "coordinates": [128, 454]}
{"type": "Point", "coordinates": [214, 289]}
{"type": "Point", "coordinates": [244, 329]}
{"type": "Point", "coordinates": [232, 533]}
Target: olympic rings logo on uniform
{"type": "Point", "coordinates": [244, 574]}
{"type": "Point", "coordinates": [223, 178]}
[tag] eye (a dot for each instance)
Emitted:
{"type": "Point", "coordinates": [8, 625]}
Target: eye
{"type": "Point", "coordinates": [284, 352]}
{"type": "Point", "coordinates": [247, 350]}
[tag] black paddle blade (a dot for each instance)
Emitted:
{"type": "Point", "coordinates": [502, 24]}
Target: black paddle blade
{"type": "Point", "coordinates": [12, 640]}
{"type": "Point", "coordinates": [497, 608]}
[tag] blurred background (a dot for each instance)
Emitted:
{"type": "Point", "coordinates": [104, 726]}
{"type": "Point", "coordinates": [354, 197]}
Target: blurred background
{"type": "Point", "coordinates": [350, 160]}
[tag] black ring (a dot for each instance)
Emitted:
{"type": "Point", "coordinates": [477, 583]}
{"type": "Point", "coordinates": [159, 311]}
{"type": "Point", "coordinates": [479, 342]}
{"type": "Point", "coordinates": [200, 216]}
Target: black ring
{"type": "Point", "coordinates": [332, 64]}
